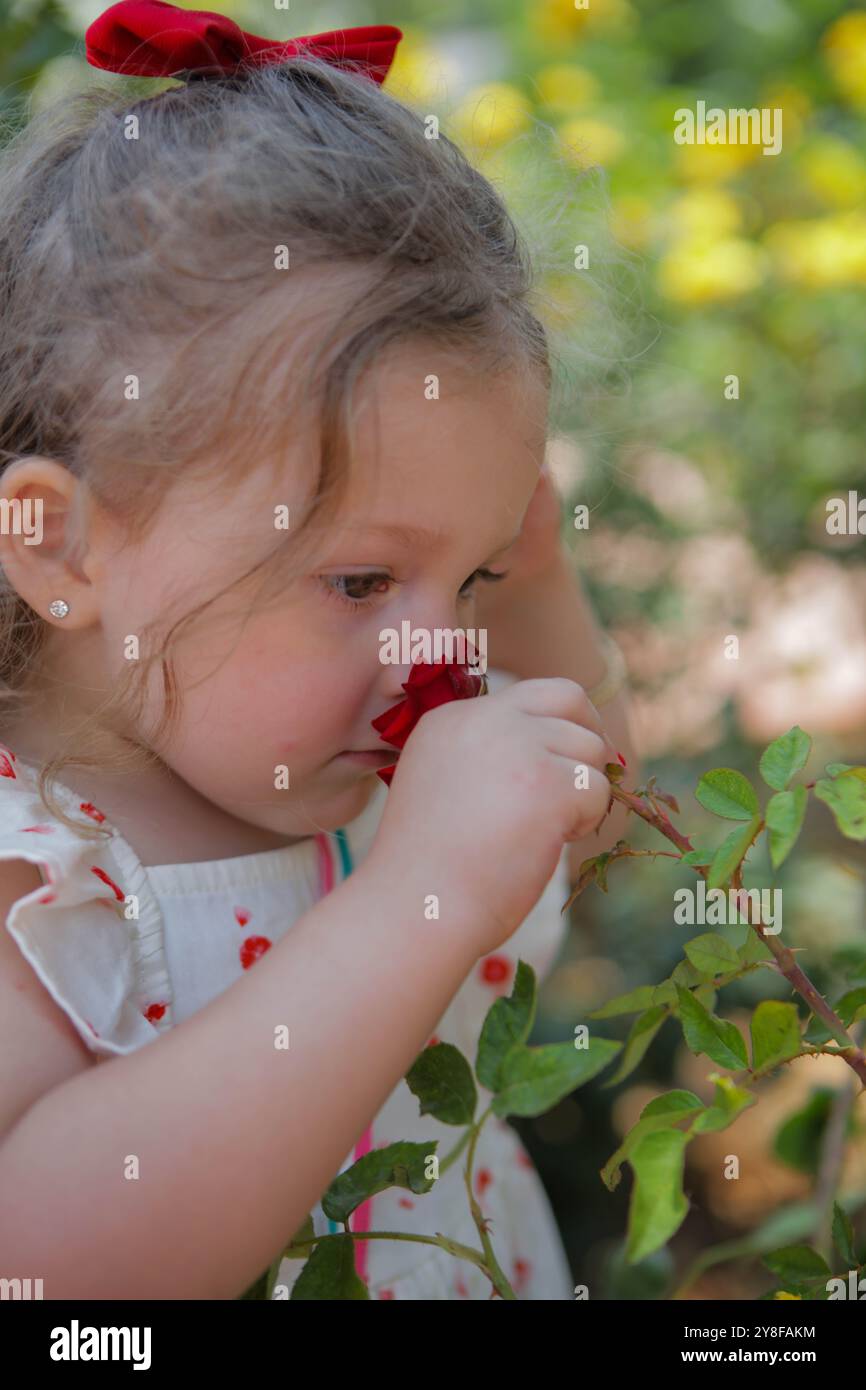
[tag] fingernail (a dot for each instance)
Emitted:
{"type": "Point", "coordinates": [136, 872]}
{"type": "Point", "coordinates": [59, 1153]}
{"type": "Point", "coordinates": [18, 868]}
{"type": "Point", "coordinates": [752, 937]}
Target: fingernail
{"type": "Point", "coordinates": [622, 759]}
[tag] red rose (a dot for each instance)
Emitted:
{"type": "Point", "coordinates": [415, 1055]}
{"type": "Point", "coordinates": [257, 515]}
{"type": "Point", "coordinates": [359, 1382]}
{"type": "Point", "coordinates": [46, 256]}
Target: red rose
{"type": "Point", "coordinates": [427, 687]}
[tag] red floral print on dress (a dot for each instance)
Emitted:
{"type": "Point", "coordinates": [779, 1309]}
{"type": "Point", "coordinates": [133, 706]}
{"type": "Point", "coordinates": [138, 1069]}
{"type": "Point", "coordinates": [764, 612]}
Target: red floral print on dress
{"type": "Point", "coordinates": [118, 892]}
{"type": "Point", "coordinates": [460, 1286]}
{"type": "Point", "coordinates": [7, 758]}
{"type": "Point", "coordinates": [495, 970]}
{"type": "Point", "coordinates": [483, 1179]}
{"type": "Point", "coordinates": [429, 685]}
{"type": "Point", "coordinates": [154, 1012]}
{"type": "Point", "coordinates": [522, 1274]}
{"type": "Point", "coordinates": [38, 829]}
{"type": "Point", "coordinates": [386, 1293]}
{"type": "Point", "coordinates": [242, 916]}
{"type": "Point", "coordinates": [407, 1202]}
{"type": "Point", "coordinates": [90, 810]}
{"type": "Point", "coordinates": [434, 1041]}
{"type": "Point", "coordinates": [252, 949]}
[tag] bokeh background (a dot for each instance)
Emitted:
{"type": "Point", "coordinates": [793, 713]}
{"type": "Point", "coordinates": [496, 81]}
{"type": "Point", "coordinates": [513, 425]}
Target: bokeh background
{"type": "Point", "coordinates": [707, 514]}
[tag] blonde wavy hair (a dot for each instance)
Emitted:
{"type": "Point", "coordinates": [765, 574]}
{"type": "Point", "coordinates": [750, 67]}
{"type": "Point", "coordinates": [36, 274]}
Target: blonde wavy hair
{"type": "Point", "coordinates": [160, 251]}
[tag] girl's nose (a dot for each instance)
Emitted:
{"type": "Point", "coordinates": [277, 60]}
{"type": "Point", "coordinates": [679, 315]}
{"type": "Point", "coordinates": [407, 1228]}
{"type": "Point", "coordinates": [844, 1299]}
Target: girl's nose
{"type": "Point", "coordinates": [412, 636]}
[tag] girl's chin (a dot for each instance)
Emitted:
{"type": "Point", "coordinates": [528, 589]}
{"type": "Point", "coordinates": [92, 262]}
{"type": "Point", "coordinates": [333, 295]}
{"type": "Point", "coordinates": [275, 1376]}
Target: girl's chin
{"type": "Point", "coordinates": [343, 806]}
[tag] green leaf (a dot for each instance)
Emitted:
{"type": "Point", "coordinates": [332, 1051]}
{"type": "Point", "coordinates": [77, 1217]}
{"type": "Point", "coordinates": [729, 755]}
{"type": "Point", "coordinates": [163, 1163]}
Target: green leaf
{"type": "Point", "coordinates": [534, 1079]}
{"type": "Point", "coordinates": [305, 1233]}
{"type": "Point", "coordinates": [397, 1165]}
{"type": "Point", "coordinates": [785, 757]}
{"type": "Point", "coordinates": [711, 955]}
{"type": "Point", "coordinates": [658, 1204]}
{"type": "Point", "coordinates": [509, 1021]}
{"type": "Point", "coordinates": [730, 1100]}
{"type": "Point", "coordinates": [846, 797]}
{"type": "Point", "coordinates": [775, 1029]}
{"type": "Point", "coordinates": [799, 1140]}
{"type": "Point", "coordinates": [794, 1263]}
{"type": "Point", "coordinates": [784, 816]}
{"type": "Point", "coordinates": [642, 1032]}
{"type": "Point", "coordinates": [852, 1006]}
{"type": "Point", "coordinates": [698, 858]}
{"type": "Point", "coordinates": [685, 974]}
{"type": "Point", "coordinates": [731, 853]}
{"type": "Point", "coordinates": [716, 1037]}
{"type": "Point", "coordinates": [665, 993]}
{"type": "Point", "coordinates": [706, 995]}
{"type": "Point", "coordinates": [663, 1112]}
{"type": "Point", "coordinates": [442, 1080]}
{"type": "Point", "coordinates": [728, 794]}
{"type": "Point", "coordinates": [753, 950]}
{"type": "Point", "coordinates": [843, 1236]}
{"type": "Point", "coordinates": [850, 961]}
{"type": "Point", "coordinates": [836, 770]}
{"type": "Point", "coordinates": [632, 1003]}
{"type": "Point", "coordinates": [330, 1273]}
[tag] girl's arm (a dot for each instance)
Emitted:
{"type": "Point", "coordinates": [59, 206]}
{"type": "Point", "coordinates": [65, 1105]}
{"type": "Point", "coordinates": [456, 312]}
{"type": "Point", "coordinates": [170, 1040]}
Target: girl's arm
{"type": "Point", "coordinates": [235, 1140]}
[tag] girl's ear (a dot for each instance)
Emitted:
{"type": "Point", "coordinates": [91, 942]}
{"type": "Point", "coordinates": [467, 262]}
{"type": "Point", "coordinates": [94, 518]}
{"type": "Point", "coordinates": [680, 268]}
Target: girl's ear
{"type": "Point", "coordinates": [41, 550]}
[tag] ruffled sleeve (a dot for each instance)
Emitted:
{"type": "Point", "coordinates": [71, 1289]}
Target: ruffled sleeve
{"type": "Point", "coordinates": [93, 932]}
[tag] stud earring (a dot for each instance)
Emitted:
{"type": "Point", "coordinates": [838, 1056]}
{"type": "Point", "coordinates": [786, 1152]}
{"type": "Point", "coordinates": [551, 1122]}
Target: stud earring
{"type": "Point", "coordinates": [59, 608]}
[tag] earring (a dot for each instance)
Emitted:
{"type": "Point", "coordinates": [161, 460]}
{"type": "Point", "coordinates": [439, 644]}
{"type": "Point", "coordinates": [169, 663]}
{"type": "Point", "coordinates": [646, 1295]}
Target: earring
{"type": "Point", "coordinates": [59, 608]}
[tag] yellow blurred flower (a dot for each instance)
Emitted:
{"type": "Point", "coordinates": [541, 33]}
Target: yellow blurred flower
{"type": "Point", "coordinates": [421, 73]}
{"type": "Point", "coordinates": [795, 107]}
{"type": "Point", "coordinates": [844, 45]}
{"type": "Point", "coordinates": [565, 86]}
{"type": "Point", "coordinates": [631, 221]}
{"type": "Point", "coordinates": [585, 141]}
{"type": "Point", "coordinates": [490, 115]}
{"type": "Point", "coordinates": [834, 171]}
{"type": "Point", "coordinates": [558, 21]}
{"type": "Point", "coordinates": [820, 253]}
{"type": "Point", "coordinates": [704, 214]}
{"type": "Point", "coordinates": [708, 271]}
{"type": "Point", "coordinates": [715, 163]}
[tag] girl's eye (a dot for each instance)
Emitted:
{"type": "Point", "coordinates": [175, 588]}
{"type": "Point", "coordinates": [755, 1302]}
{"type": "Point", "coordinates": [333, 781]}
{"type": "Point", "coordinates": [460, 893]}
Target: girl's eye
{"type": "Point", "coordinates": [374, 583]}
{"type": "Point", "coordinates": [489, 576]}
{"type": "Point", "coordinates": [355, 581]}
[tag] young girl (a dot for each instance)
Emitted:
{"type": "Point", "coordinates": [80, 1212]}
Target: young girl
{"type": "Point", "coordinates": [270, 384]}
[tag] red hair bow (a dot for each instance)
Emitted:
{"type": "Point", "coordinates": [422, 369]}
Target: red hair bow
{"type": "Point", "coordinates": [148, 38]}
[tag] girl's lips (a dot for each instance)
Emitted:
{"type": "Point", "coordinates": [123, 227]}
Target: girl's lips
{"type": "Point", "coordinates": [370, 757]}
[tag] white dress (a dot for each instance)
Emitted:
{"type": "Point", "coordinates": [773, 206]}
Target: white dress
{"type": "Point", "coordinates": [125, 980]}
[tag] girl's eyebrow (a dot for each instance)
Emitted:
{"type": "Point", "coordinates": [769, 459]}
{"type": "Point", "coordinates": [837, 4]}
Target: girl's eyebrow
{"type": "Point", "coordinates": [423, 536]}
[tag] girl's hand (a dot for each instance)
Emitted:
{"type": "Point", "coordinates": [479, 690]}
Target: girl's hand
{"type": "Point", "coordinates": [485, 794]}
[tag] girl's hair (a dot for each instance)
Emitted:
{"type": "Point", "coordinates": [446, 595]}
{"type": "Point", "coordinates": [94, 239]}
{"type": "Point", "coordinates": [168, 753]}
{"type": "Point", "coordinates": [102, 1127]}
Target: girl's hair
{"type": "Point", "coordinates": [147, 243]}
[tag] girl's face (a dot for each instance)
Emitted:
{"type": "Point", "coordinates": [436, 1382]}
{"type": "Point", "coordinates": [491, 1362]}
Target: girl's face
{"type": "Point", "coordinates": [293, 683]}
